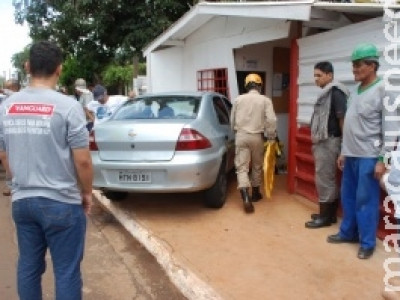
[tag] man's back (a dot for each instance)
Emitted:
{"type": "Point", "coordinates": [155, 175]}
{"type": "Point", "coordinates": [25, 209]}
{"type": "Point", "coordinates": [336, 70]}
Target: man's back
{"type": "Point", "coordinates": [250, 112]}
{"type": "Point", "coordinates": [48, 124]}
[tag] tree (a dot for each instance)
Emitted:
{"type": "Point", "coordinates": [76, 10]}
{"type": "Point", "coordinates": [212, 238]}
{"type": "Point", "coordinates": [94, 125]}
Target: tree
{"type": "Point", "coordinates": [99, 32]}
{"type": "Point", "coordinates": [120, 76]}
{"type": "Point", "coordinates": [2, 81]}
{"type": "Point", "coordinates": [18, 61]}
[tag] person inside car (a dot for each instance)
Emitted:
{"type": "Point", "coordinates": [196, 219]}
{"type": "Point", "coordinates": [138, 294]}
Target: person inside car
{"type": "Point", "coordinates": [165, 111]}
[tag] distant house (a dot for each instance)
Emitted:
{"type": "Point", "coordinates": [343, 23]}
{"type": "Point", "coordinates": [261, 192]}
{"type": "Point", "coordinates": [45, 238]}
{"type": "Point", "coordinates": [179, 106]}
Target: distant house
{"type": "Point", "coordinates": [216, 44]}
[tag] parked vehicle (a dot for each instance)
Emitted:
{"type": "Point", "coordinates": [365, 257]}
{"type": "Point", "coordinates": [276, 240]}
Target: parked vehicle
{"type": "Point", "coordinates": [169, 142]}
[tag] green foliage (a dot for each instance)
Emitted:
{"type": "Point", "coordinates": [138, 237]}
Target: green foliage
{"type": "Point", "coordinates": [73, 69]}
{"type": "Point", "coordinates": [18, 61]}
{"type": "Point", "coordinates": [2, 81]}
{"type": "Point", "coordinates": [98, 33]}
{"type": "Point", "coordinates": [142, 69]}
{"type": "Point", "coordinates": [119, 76]}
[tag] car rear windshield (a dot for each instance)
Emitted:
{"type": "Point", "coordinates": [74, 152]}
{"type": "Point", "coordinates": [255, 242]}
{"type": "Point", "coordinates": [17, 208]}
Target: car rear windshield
{"type": "Point", "coordinates": [165, 107]}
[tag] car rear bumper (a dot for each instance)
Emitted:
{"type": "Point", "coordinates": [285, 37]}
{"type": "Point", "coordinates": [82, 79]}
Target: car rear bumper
{"type": "Point", "coordinates": [185, 173]}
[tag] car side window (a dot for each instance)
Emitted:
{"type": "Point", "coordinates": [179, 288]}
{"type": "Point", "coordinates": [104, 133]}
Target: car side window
{"type": "Point", "coordinates": [228, 105]}
{"type": "Point", "coordinates": [220, 109]}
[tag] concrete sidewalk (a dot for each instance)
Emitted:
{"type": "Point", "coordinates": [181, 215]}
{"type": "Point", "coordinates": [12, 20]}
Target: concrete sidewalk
{"type": "Point", "coordinates": [226, 254]}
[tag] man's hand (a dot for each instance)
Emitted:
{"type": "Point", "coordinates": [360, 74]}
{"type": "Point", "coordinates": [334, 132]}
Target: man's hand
{"type": "Point", "coordinates": [87, 202]}
{"type": "Point", "coordinates": [340, 162]}
{"type": "Point", "coordinates": [380, 169]}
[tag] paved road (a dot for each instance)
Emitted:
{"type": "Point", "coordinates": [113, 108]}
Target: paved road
{"type": "Point", "coordinates": [115, 265]}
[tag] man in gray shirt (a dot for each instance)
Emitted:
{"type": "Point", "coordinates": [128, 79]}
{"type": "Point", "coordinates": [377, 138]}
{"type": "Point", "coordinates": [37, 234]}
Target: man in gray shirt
{"type": "Point", "coordinates": [44, 146]}
{"type": "Point", "coordinates": [370, 127]}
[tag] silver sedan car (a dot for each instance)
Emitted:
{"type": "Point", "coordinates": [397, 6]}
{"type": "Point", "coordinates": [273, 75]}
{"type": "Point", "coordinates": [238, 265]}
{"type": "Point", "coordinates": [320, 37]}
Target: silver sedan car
{"type": "Point", "coordinates": [169, 142]}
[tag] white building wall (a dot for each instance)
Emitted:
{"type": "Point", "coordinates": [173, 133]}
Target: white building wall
{"type": "Point", "coordinates": [335, 46]}
{"type": "Point", "coordinates": [164, 70]}
{"type": "Point", "coordinates": [212, 46]}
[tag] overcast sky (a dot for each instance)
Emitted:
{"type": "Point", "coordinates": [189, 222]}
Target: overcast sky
{"type": "Point", "coordinates": [13, 37]}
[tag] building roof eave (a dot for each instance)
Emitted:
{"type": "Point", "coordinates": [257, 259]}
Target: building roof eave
{"type": "Point", "coordinates": [367, 9]}
{"type": "Point", "coordinates": [205, 11]}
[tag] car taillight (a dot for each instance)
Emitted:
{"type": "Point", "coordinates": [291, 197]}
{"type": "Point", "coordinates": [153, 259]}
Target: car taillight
{"type": "Point", "coordinates": [92, 142]}
{"type": "Point", "coordinates": [191, 139]}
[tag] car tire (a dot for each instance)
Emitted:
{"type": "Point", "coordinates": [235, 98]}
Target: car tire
{"type": "Point", "coordinates": [215, 196]}
{"type": "Point", "coordinates": [115, 196]}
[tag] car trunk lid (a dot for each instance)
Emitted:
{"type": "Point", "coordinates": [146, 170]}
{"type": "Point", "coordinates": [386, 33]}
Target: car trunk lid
{"type": "Point", "coordinates": [139, 141]}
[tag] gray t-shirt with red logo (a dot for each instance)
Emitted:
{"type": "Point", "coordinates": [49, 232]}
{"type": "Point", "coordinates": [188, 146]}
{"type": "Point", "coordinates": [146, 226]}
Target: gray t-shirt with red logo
{"type": "Point", "coordinates": [39, 128]}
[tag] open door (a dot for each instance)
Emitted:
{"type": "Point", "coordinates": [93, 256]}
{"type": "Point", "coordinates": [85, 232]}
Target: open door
{"type": "Point", "coordinates": [280, 79]}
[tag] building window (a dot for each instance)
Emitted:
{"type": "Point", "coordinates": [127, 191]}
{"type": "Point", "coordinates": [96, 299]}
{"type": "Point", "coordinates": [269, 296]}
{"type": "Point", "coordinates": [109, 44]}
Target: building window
{"type": "Point", "coordinates": [213, 80]}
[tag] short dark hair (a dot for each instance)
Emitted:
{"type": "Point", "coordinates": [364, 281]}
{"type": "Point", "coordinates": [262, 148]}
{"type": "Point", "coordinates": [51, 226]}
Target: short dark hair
{"type": "Point", "coordinates": [44, 58]}
{"type": "Point", "coordinates": [324, 66]}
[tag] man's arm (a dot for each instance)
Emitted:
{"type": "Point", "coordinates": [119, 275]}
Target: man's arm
{"type": "Point", "coordinates": [84, 169]}
{"type": "Point", "coordinates": [339, 102]}
{"type": "Point", "coordinates": [89, 114]}
{"type": "Point", "coordinates": [4, 162]}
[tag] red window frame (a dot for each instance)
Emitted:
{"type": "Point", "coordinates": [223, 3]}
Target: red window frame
{"type": "Point", "coordinates": [213, 80]}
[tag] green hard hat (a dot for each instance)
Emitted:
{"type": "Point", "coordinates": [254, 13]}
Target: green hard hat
{"type": "Point", "coordinates": [365, 51]}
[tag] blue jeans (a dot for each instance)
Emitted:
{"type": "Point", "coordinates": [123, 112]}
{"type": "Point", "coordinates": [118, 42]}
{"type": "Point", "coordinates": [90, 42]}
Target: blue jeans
{"type": "Point", "coordinates": [360, 201]}
{"type": "Point", "coordinates": [43, 223]}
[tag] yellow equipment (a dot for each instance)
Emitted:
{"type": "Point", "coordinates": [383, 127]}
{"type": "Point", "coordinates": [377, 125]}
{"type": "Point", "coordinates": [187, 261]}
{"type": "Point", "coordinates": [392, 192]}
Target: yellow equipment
{"type": "Point", "coordinates": [272, 152]}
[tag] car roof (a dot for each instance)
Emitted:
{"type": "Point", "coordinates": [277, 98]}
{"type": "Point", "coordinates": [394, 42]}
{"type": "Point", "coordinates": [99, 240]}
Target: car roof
{"type": "Point", "coordinates": [180, 93]}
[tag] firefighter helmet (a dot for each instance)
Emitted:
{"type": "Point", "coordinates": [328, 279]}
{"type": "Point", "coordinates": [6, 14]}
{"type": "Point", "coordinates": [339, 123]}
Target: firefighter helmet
{"type": "Point", "coordinates": [252, 77]}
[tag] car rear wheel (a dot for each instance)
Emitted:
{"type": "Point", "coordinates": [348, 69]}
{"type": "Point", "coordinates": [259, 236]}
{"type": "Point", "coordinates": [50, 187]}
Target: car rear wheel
{"type": "Point", "coordinates": [215, 196]}
{"type": "Point", "coordinates": [115, 196]}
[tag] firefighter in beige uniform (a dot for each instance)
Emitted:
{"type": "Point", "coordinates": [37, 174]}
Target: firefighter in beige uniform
{"type": "Point", "coordinates": [252, 116]}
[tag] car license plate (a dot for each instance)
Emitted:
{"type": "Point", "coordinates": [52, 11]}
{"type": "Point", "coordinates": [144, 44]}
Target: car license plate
{"type": "Point", "coordinates": [134, 177]}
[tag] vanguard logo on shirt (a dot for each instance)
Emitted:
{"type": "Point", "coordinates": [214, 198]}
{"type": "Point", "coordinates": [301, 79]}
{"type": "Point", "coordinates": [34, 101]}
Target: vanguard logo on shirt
{"type": "Point", "coordinates": [28, 118]}
{"type": "Point", "coordinates": [37, 109]}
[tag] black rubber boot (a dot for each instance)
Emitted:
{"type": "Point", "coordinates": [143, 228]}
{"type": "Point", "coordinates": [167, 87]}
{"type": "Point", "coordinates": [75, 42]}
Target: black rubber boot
{"type": "Point", "coordinates": [256, 195]}
{"type": "Point", "coordinates": [248, 206]}
{"type": "Point", "coordinates": [334, 212]}
{"type": "Point", "coordinates": [325, 216]}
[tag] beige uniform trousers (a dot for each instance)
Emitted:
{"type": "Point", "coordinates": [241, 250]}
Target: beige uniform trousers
{"type": "Point", "coordinates": [249, 148]}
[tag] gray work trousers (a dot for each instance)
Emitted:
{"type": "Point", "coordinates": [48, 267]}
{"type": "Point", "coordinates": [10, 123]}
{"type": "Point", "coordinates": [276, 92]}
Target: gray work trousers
{"type": "Point", "coordinates": [326, 154]}
{"type": "Point", "coordinates": [249, 148]}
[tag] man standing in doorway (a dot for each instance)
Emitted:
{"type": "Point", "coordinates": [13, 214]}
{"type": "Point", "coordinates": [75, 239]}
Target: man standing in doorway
{"type": "Point", "coordinates": [44, 145]}
{"type": "Point", "coordinates": [252, 115]}
{"type": "Point", "coordinates": [368, 138]}
{"type": "Point", "coordinates": [326, 135]}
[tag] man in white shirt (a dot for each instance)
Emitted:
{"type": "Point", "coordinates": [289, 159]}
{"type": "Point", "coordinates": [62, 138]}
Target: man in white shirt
{"type": "Point", "coordinates": [84, 96]}
{"type": "Point", "coordinates": [102, 107]}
